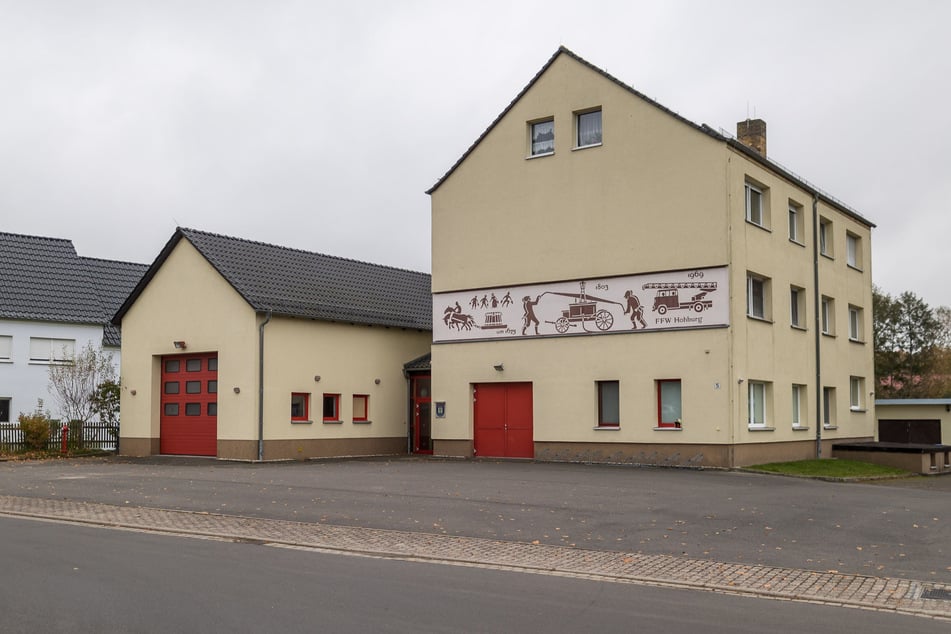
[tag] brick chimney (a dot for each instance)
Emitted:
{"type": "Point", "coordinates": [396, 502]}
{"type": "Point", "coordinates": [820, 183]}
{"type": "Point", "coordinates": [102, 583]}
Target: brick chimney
{"type": "Point", "coordinates": [752, 133]}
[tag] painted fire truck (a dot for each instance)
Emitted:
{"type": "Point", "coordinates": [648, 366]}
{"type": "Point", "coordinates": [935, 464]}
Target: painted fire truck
{"type": "Point", "coordinates": [668, 296]}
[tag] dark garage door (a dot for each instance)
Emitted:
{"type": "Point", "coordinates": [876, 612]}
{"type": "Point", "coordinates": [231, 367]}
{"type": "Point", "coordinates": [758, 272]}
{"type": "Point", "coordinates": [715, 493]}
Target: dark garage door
{"type": "Point", "coordinates": [916, 432]}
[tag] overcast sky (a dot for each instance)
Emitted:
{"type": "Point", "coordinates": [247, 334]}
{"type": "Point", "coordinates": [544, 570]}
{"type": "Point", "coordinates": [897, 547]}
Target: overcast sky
{"type": "Point", "coordinates": [319, 125]}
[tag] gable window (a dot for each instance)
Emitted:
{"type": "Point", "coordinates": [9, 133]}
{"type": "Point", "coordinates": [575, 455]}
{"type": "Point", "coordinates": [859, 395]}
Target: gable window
{"type": "Point", "coordinates": [757, 296]}
{"type": "Point", "coordinates": [853, 251]}
{"type": "Point", "coordinates": [828, 407]}
{"type": "Point", "coordinates": [825, 237]}
{"type": "Point", "coordinates": [797, 306]}
{"type": "Point", "coordinates": [609, 405]}
{"type": "Point", "coordinates": [331, 409]}
{"type": "Point", "coordinates": [755, 204]}
{"type": "Point", "coordinates": [361, 408]}
{"type": "Point", "coordinates": [589, 128]}
{"type": "Point", "coordinates": [300, 406]}
{"type": "Point", "coordinates": [45, 350]}
{"type": "Point", "coordinates": [856, 387]}
{"type": "Point", "coordinates": [757, 393]}
{"type": "Point", "coordinates": [798, 399]}
{"type": "Point", "coordinates": [828, 316]}
{"type": "Point", "coordinates": [542, 137]}
{"type": "Point", "coordinates": [668, 403]}
{"type": "Point", "coordinates": [795, 223]}
{"type": "Point", "coordinates": [6, 348]}
{"type": "Point", "coordinates": [855, 323]}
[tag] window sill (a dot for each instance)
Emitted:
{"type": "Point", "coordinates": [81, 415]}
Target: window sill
{"type": "Point", "coordinates": [669, 428]}
{"type": "Point", "coordinates": [759, 226]}
{"type": "Point", "coordinates": [762, 319]}
{"type": "Point", "coordinates": [799, 328]}
{"type": "Point", "coordinates": [797, 243]}
{"type": "Point", "coordinates": [760, 428]}
{"type": "Point", "coordinates": [855, 268]}
{"type": "Point", "coordinates": [6, 360]}
{"type": "Point", "coordinates": [535, 156]}
{"type": "Point", "coordinates": [800, 428]}
{"type": "Point", "coordinates": [858, 410]}
{"type": "Point", "coordinates": [830, 427]}
{"type": "Point", "coordinates": [362, 422]}
{"type": "Point", "coordinates": [585, 147]}
{"type": "Point", "coordinates": [828, 334]}
{"type": "Point", "coordinates": [607, 428]}
{"type": "Point", "coordinates": [332, 422]}
{"type": "Point", "coordinates": [828, 256]}
{"type": "Point", "coordinates": [301, 422]}
{"type": "Point", "coordinates": [858, 341]}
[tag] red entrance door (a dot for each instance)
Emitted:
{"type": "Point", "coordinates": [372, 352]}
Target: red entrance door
{"type": "Point", "coordinates": [503, 420]}
{"type": "Point", "coordinates": [422, 415]}
{"type": "Point", "coordinates": [189, 418]}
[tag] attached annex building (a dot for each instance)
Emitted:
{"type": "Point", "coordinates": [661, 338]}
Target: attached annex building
{"type": "Point", "coordinates": [250, 351]}
{"type": "Point", "coordinates": [614, 283]}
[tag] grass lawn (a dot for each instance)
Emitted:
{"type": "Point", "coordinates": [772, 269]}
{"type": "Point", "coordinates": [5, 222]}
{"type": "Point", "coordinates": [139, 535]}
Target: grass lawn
{"type": "Point", "coordinates": [830, 468]}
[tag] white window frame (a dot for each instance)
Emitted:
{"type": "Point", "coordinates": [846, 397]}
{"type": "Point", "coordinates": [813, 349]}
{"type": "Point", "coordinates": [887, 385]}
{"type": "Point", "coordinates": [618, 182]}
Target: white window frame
{"type": "Point", "coordinates": [757, 393]}
{"type": "Point", "coordinates": [755, 194]}
{"type": "Point", "coordinates": [856, 389]}
{"type": "Point", "coordinates": [797, 306]}
{"type": "Point", "coordinates": [796, 228]}
{"type": "Point", "coordinates": [51, 350]}
{"type": "Point", "coordinates": [6, 348]}
{"type": "Point", "coordinates": [855, 323]}
{"type": "Point", "coordinates": [751, 281]}
{"type": "Point", "coordinates": [9, 409]}
{"type": "Point", "coordinates": [798, 397]}
{"type": "Point", "coordinates": [531, 137]}
{"type": "Point", "coordinates": [853, 250]}
{"type": "Point", "coordinates": [828, 316]}
{"type": "Point", "coordinates": [584, 113]}
{"type": "Point", "coordinates": [828, 407]}
{"type": "Point", "coordinates": [825, 238]}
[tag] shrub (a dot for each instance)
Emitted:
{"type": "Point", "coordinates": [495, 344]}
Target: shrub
{"type": "Point", "coordinates": [36, 430]}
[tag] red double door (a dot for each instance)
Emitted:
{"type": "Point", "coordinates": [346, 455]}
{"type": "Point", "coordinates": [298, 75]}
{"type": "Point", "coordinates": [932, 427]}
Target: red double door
{"type": "Point", "coordinates": [189, 417]}
{"type": "Point", "coordinates": [503, 420]}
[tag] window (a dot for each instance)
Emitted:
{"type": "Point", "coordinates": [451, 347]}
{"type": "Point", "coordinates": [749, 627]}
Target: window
{"type": "Point", "coordinates": [300, 406]}
{"type": "Point", "coordinates": [212, 387]}
{"type": "Point", "coordinates": [797, 306]}
{"type": "Point", "coordinates": [172, 387]}
{"type": "Point", "coordinates": [4, 410]}
{"type": "Point", "coordinates": [828, 407]}
{"type": "Point", "coordinates": [757, 296]}
{"type": "Point", "coordinates": [828, 316]}
{"type": "Point", "coordinates": [212, 409]}
{"type": "Point", "coordinates": [668, 403]}
{"type": "Point", "coordinates": [172, 365]}
{"type": "Point", "coordinates": [853, 251]}
{"type": "Point", "coordinates": [755, 208]}
{"type": "Point", "coordinates": [331, 407]}
{"type": "Point", "coordinates": [193, 365]}
{"type": "Point", "coordinates": [6, 347]}
{"type": "Point", "coordinates": [192, 387]}
{"type": "Point", "coordinates": [46, 350]}
{"type": "Point", "coordinates": [757, 403]}
{"type": "Point", "coordinates": [796, 230]}
{"type": "Point", "coordinates": [798, 399]}
{"type": "Point", "coordinates": [609, 408]}
{"type": "Point", "coordinates": [856, 387]}
{"type": "Point", "coordinates": [361, 408]}
{"type": "Point", "coordinates": [825, 237]}
{"type": "Point", "coordinates": [213, 364]}
{"type": "Point", "coordinates": [589, 128]}
{"type": "Point", "coordinates": [192, 409]}
{"type": "Point", "coordinates": [542, 138]}
{"type": "Point", "coordinates": [171, 409]}
{"type": "Point", "coordinates": [855, 323]}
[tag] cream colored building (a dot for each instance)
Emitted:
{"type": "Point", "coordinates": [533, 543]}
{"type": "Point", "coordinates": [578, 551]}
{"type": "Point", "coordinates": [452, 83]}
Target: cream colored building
{"type": "Point", "coordinates": [244, 350]}
{"type": "Point", "coordinates": [614, 283]}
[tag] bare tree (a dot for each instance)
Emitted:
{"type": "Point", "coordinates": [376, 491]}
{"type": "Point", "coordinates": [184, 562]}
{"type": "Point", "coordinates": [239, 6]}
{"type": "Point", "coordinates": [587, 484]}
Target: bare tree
{"type": "Point", "coordinates": [74, 381]}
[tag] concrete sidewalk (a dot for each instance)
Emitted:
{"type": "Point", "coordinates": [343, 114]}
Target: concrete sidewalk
{"type": "Point", "coordinates": [858, 591]}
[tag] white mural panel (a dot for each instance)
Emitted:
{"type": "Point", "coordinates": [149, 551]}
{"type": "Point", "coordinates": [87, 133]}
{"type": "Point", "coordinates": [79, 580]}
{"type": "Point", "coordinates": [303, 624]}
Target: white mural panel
{"type": "Point", "coordinates": [675, 300]}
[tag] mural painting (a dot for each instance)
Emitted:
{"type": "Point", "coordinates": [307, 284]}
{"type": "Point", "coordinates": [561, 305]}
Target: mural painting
{"type": "Point", "coordinates": [696, 298]}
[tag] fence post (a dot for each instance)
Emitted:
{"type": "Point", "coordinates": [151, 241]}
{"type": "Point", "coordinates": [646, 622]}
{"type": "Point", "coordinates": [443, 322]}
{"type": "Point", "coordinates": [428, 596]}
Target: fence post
{"type": "Point", "coordinates": [64, 436]}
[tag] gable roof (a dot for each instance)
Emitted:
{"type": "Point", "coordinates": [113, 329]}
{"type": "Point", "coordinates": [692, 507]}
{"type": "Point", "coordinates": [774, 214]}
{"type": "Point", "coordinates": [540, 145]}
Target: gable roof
{"type": "Point", "coordinates": [703, 129]}
{"type": "Point", "coordinates": [296, 283]}
{"type": "Point", "coordinates": [43, 279]}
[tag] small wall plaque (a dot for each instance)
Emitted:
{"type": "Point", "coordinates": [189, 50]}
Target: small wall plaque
{"type": "Point", "coordinates": [440, 409]}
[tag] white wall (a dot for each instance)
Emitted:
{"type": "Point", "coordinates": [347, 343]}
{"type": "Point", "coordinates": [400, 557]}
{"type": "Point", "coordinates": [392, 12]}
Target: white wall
{"type": "Point", "coordinates": [24, 382]}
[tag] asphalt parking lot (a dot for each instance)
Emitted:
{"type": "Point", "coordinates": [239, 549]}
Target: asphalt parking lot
{"type": "Point", "coordinates": [896, 528]}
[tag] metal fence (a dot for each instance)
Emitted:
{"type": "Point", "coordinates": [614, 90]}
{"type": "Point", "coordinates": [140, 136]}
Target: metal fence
{"type": "Point", "coordinates": [81, 437]}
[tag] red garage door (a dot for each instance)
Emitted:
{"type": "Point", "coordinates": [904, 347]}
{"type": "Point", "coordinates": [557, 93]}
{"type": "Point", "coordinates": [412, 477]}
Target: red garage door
{"type": "Point", "coordinates": [503, 420]}
{"type": "Point", "coordinates": [189, 417]}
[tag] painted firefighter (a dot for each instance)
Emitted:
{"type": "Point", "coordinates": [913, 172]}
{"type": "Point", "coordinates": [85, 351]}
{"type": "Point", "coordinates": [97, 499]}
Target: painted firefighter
{"type": "Point", "coordinates": [529, 317]}
{"type": "Point", "coordinates": [634, 307]}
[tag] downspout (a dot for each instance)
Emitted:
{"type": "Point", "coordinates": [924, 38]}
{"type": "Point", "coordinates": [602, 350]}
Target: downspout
{"type": "Point", "coordinates": [818, 320]}
{"type": "Point", "coordinates": [261, 385]}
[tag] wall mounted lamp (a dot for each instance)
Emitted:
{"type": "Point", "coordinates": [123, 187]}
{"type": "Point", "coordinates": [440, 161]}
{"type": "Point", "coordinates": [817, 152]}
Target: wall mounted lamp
{"type": "Point", "coordinates": [237, 390]}
{"type": "Point", "coordinates": [179, 345]}
{"type": "Point", "coordinates": [498, 367]}
{"type": "Point", "coordinates": [316, 378]}
{"type": "Point", "coordinates": [377, 381]}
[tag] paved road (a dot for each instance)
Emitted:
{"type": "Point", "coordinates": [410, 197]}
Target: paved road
{"type": "Point", "coordinates": [81, 579]}
{"type": "Point", "coordinates": [882, 530]}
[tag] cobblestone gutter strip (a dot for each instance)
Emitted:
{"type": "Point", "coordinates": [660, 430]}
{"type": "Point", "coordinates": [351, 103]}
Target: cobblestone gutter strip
{"type": "Point", "coordinates": [881, 593]}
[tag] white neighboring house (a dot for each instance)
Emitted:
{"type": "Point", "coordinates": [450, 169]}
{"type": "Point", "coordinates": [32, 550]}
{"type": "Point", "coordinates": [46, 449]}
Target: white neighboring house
{"type": "Point", "coordinates": [52, 303]}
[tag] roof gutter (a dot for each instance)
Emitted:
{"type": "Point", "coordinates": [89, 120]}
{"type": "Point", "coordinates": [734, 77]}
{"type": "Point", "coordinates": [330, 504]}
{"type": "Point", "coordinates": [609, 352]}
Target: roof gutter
{"type": "Point", "coordinates": [264, 323]}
